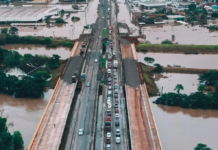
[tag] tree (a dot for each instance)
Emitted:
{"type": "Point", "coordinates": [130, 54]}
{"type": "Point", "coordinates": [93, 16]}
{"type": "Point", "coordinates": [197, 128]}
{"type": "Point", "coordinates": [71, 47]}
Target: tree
{"type": "Point", "coordinates": [149, 60]}
{"type": "Point", "coordinates": [12, 58]}
{"type": "Point", "coordinates": [191, 7]}
{"type": "Point", "coordinates": [209, 78]}
{"type": "Point", "coordinates": [214, 15]}
{"type": "Point", "coordinates": [54, 62]}
{"type": "Point", "coordinates": [59, 20]}
{"type": "Point", "coordinates": [13, 30]}
{"type": "Point", "coordinates": [158, 68]}
{"type": "Point", "coordinates": [178, 88]}
{"type": "Point", "coordinates": [26, 58]}
{"type": "Point", "coordinates": [201, 88]}
{"type": "Point", "coordinates": [201, 146]}
{"type": "Point", "coordinates": [42, 74]}
{"type": "Point", "coordinates": [4, 30]}
{"type": "Point", "coordinates": [166, 42]}
{"type": "Point", "coordinates": [18, 141]}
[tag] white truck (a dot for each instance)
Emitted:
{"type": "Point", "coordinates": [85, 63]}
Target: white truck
{"type": "Point", "coordinates": [115, 63]}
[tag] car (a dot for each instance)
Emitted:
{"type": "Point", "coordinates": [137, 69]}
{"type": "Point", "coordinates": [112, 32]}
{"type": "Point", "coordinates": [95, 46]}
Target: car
{"type": "Point", "coordinates": [110, 87]}
{"type": "Point", "coordinates": [115, 77]}
{"type": "Point", "coordinates": [109, 79]}
{"type": "Point", "coordinates": [115, 86]}
{"type": "Point", "coordinates": [115, 70]}
{"type": "Point", "coordinates": [80, 131]}
{"type": "Point", "coordinates": [117, 123]}
{"type": "Point", "coordinates": [108, 147]}
{"type": "Point", "coordinates": [116, 105]}
{"type": "Point", "coordinates": [109, 71]}
{"type": "Point", "coordinates": [88, 84]}
{"type": "Point", "coordinates": [116, 115]}
{"type": "Point", "coordinates": [115, 56]}
{"type": "Point", "coordinates": [108, 118]}
{"type": "Point", "coordinates": [109, 106]}
{"type": "Point", "coordinates": [109, 102]}
{"type": "Point", "coordinates": [114, 53]}
{"type": "Point", "coordinates": [100, 36]}
{"type": "Point", "coordinates": [108, 135]}
{"type": "Point", "coordinates": [109, 83]}
{"type": "Point", "coordinates": [116, 100]}
{"type": "Point", "coordinates": [117, 132]}
{"type": "Point", "coordinates": [116, 110]}
{"type": "Point", "coordinates": [96, 60]}
{"type": "Point", "coordinates": [108, 140]}
{"type": "Point", "coordinates": [115, 81]}
{"type": "Point", "coordinates": [115, 95]}
{"type": "Point", "coordinates": [116, 91]}
{"type": "Point", "coordinates": [118, 140]}
{"type": "Point", "coordinates": [115, 73]}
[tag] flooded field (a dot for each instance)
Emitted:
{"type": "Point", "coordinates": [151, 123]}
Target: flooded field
{"type": "Point", "coordinates": [63, 52]}
{"type": "Point", "coordinates": [24, 113]}
{"type": "Point", "coordinates": [71, 30]}
{"type": "Point", "coordinates": [187, 61]}
{"type": "Point", "coordinates": [183, 34]}
{"type": "Point", "coordinates": [183, 129]}
{"type": "Point", "coordinates": [124, 16]}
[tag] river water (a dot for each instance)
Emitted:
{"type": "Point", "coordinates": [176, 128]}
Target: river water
{"type": "Point", "coordinates": [183, 129]}
{"type": "Point", "coordinates": [63, 52]}
{"type": "Point", "coordinates": [188, 61]}
{"type": "Point", "coordinates": [24, 113]}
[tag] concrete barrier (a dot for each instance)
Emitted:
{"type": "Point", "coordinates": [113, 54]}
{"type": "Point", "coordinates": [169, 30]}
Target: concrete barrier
{"type": "Point", "coordinates": [43, 115]}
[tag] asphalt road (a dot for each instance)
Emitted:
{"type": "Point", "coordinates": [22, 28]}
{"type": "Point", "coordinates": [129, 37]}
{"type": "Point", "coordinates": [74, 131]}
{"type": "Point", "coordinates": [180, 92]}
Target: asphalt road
{"type": "Point", "coordinates": [88, 94]}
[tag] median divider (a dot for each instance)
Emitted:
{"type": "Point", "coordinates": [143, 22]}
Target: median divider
{"type": "Point", "coordinates": [43, 115]}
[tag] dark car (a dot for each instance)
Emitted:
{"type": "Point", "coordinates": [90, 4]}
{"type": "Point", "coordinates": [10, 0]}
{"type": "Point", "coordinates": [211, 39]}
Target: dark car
{"type": "Point", "coordinates": [108, 140]}
{"type": "Point", "coordinates": [117, 123]}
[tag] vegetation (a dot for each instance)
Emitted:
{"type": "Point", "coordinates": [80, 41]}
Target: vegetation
{"type": "Point", "coordinates": [75, 19]}
{"type": "Point", "coordinates": [158, 68]}
{"type": "Point", "coordinates": [13, 30]}
{"type": "Point", "coordinates": [194, 100]}
{"type": "Point", "coordinates": [166, 42]}
{"type": "Point", "coordinates": [214, 15]}
{"type": "Point", "coordinates": [149, 60]}
{"type": "Point", "coordinates": [177, 48]}
{"type": "Point", "coordinates": [201, 146]}
{"type": "Point", "coordinates": [9, 141]}
{"type": "Point", "coordinates": [15, 39]}
{"type": "Point", "coordinates": [178, 88]}
{"type": "Point", "coordinates": [59, 20]}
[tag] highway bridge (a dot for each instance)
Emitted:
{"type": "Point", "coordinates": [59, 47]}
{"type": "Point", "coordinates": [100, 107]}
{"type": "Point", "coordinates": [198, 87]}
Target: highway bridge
{"type": "Point", "coordinates": [70, 109]}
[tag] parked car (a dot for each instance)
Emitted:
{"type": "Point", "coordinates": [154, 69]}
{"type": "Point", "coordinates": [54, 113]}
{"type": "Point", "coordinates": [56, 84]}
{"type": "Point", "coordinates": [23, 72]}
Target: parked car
{"type": "Point", "coordinates": [117, 132]}
{"type": "Point", "coordinates": [116, 110]}
{"type": "Point", "coordinates": [117, 123]}
{"type": "Point", "coordinates": [116, 115]}
{"type": "Point", "coordinates": [116, 105]}
{"type": "Point", "coordinates": [118, 140]}
{"type": "Point", "coordinates": [116, 91]}
{"type": "Point", "coordinates": [108, 147]}
{"type": "Point", "coordinates": [108, 140]}
{"type": "Point", "coordinates": [108, 134]}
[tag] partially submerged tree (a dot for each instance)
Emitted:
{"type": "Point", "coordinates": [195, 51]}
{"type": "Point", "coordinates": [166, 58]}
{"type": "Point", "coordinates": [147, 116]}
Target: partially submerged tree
{"type": "Point", "coordinates": [201, 146]}
{"type": "Point", "coordinates": [149, 60]}
{"type": "Point", "coordinates": [178, 88]}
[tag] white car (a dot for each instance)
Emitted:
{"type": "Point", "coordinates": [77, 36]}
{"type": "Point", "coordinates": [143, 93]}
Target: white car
{"type": "Point", "coordinates": [109, 71]}
{"type": "Point", "coordinates": [96, 60]}
{"type": "Point", "coordinates": [108, 135]}
{"type": "Point", "coordinates": [108, 147]}
{"type": "Point", "coordinates": [109, 87]}
{"type": "Point", "coordinates": [108, 101]}
{"type": "Point", "coordinates": [80, 131]}
{"type": "Point", "coordinates": [109, 106]}
{"type": "Point", "coordinates": [116, 115]}
{"type": "Point", "coordinates": [118, 140]}
{"type": "Point", "coordinates": [116, 91]}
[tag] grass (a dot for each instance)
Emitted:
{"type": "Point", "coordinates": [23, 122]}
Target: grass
{"type": "Point", "coordinates": [144, 68]}
{"type": "Point", "coordinates": [140, 47]}
{"type": "Point", "coordinates": [147, 78]}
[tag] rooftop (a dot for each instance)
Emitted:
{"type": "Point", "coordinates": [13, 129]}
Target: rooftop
{"type": "Point", "coordinates": [123, 30]}
{"type": "Point", "coordinates": [175, 16]}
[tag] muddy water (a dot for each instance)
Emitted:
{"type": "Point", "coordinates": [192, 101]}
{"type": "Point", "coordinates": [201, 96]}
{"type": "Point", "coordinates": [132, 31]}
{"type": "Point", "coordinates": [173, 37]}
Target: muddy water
{"type": "Point", "coordinates": [24, 113]}
{"type": "Point", "coordinates": [183, 129]}
{"type": "Point", "coordinates": [183, 34]}
{"type": "Point", "coordinates": [71, 30]}
{"type": "Point", "coordinates": [188, 61]}
{"type": "Point", "coordinates": [124, 16]}
{"type": "Point", "coordinates": [63, 52]}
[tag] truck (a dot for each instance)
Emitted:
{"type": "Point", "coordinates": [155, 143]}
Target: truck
{"type": "Point", "coordinates": [107, 126]}
{"type": "Point", "coordinates": [115, 63]}
{"type": "Point", "coordinates": [74, 78]}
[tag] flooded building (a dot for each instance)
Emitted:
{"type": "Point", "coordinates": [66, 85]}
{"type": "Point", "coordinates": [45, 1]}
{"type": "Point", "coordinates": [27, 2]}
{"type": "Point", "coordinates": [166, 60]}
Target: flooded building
{"type": "Point", "coordinates": [176, 17]}
{"type": "Point", "coordinates": [152, 4]}
{"type": "Point", "coordinates": [25, 13]}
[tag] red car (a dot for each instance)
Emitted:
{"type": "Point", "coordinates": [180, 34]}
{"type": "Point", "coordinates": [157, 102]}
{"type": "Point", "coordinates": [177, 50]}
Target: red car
{"type": "Point", "coordinates": [116, 110]}
{"type": "Point", "coordinates": [108, 118]}
{"type": "Point", "coordinates": [108, 140]}
{"type": "Point", "coordinates": [115, 81]}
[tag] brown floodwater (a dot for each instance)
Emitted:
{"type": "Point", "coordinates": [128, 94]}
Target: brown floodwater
{"type": "Point", "coordinates": [207, 61]}
{"type": "Point", "coordinates": [63, 52]}
{"type": "Point", "coordinates": [183, 129]}
{"type": "Point", "coordinates": [71, 30]}
{"type": "Point", "coordinates": [183, 34]}
{"type": "Point", "coordinates": [24, 113]}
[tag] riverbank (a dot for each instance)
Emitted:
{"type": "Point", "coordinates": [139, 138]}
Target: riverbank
{"type": "Point", "coordinates": [180, 49]}
{"type": "Point", "coordinates": [147, 77]}
{"type": "Point", "coordinates": [182, 70]}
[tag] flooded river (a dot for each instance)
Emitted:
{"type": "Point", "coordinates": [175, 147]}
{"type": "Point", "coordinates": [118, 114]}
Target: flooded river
{"type": "Point", "coordinates": [63, 52]}
{"type": "Point", "coordinates": [183, 129]}
{"type": "Point", "coordinates": [187, 61]}
{"type": "Point", "coordinates": [24, 113]}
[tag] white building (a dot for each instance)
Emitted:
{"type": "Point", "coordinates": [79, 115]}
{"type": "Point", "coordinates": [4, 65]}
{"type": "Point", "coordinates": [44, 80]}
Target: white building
{"type": "Point", "coordinates": [26, 13]}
